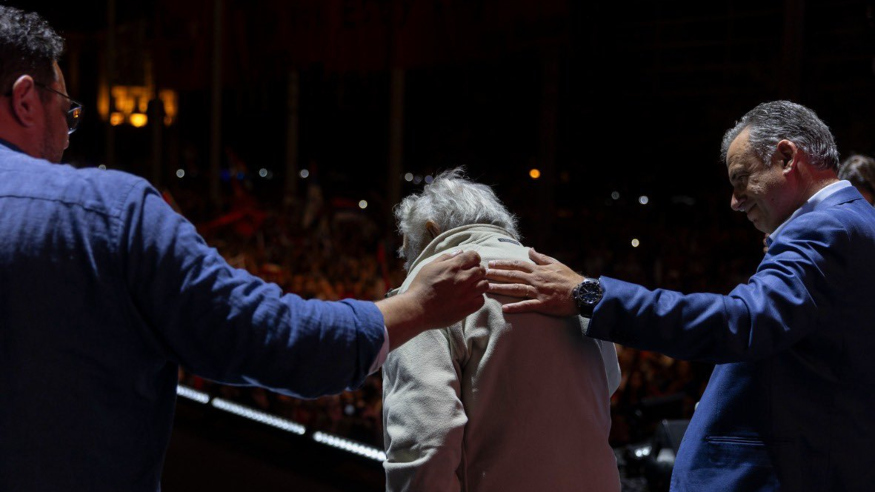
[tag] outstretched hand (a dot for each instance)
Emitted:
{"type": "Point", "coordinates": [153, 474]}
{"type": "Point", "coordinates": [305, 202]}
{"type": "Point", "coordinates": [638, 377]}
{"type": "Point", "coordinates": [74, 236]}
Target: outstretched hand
{"type": "Point", "coordinates": [545, 285]}
{"type": "Point", "coordinates": [442, 293]}
{"type": "Point", "coordinates": [450, 288]}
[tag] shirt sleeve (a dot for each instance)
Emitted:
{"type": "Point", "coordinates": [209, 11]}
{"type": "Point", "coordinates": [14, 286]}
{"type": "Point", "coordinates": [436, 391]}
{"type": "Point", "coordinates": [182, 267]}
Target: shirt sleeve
{"type": "Point", "coordinates": [227, 325]}
{"type": "Point", "coordinates": [612, 365]}
{"type": "Point", "coordinates": [382, 354]}
{"type": "Point", "coordinates": [784, 301]}
{"type": "Point", "coordinates": [423, 415]}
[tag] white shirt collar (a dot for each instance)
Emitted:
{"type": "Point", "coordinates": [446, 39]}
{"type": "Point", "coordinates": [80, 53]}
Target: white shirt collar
{"type": "Point", "coordinates": [811, 204]}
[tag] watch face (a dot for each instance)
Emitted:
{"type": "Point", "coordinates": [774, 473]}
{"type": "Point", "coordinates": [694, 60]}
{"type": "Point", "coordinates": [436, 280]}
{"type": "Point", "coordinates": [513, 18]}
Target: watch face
{"type": "Point", "coordinates": [590, 291]}
{"type": "Point", "coordinates": [587, 295]}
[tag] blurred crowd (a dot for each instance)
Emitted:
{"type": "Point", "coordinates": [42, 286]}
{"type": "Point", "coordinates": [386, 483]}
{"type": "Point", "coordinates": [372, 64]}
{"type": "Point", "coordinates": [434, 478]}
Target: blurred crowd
{"type": "Point", "coordinates": [334, 250]}
{"type": "Point", "coordinates": [331, 249]}
{"type": "Point", "coordinates": [318, 250]}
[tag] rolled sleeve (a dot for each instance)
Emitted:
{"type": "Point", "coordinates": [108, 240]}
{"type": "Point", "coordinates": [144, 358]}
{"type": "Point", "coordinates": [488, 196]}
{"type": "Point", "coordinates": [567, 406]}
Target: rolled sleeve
{"type": "Point", "coordinates": [228, 325]}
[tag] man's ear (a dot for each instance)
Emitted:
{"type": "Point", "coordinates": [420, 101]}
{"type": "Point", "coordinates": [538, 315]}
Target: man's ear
{"type": "Point", "coordinates": [432, 229]}
{"type": "Point", "coordinates": [26, 105]}
{"type": "Point", "coordinates": [786, 155]}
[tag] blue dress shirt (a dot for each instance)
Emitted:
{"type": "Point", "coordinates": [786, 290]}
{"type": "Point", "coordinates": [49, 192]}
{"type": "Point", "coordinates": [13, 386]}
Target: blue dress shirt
{"type": "Point", "coordinates": [104, 292]}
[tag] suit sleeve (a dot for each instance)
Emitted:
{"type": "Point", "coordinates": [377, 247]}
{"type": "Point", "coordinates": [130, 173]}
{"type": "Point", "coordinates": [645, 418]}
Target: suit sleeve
{"type": "Point", "coordinates": [230, 326]}
{"type": "Point", "coordinates": [795, 285]}
{"type": "Point", "coordinates": [423, 415]}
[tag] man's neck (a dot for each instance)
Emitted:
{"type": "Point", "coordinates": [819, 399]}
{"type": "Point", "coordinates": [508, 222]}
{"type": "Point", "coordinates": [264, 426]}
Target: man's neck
{"type": "Point", "coordinates": [821, 180]}
{"type": "Point", "coordinates": [19, 141]}
{"type": "Point", "coordinates": [10, 145]}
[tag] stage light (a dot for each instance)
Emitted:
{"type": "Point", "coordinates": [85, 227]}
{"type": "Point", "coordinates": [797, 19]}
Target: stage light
{"type": "Point", "coordinates": [304, 174]}
{"type": "Point", "coordinates": [171, 105]}
{"type": "Point", "coordinates": [428, 179]}
{"type": "Point", "coordinates": [264, 418]}
{"type": "Point", "coordinates": [191, 394]}
{"type": "Point", "coordinates": [535, 173]}
{"type": "Point", "coordinates": [350, 446]}
{"type": "Point", "coordinates": [635, 243]}
{"type": "Point", "coordinates": [116, 119]}
{"type": "Point", "coordinates": [643, 451]}
{"type": "Point", "coordinates": [262, 172]}
{"type": "Point", "coordinates": [408, 177]}
{"type": "Point", "coordinates": [363, 204]}
{"type": "Point", "coordinates": [102, 167]}
{"type": "Point", "coordinates": [615, 195]}
{"type": "Point", "coordinates": [643, 200]}
{"type": "Point", "coordinates": [139, 120]}
{"type": "Point", "coordinates": [180, 173]}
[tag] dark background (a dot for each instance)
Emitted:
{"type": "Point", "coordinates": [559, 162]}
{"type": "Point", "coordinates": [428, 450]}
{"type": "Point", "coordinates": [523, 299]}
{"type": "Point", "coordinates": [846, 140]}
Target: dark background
{"type": "Point", "coordinates": [600, 96]}
{"type": "Point", "coordinates": [626, 98]}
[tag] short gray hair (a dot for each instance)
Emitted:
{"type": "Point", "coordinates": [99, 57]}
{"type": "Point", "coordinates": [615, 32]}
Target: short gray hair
{"type": "Point", "coordinates": [450, 201]}
{"type": "Point", "coordinates": [774, 121]}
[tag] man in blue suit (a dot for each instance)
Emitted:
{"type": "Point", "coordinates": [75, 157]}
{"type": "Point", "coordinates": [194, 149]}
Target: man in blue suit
{"type": "Point", "coordinates": [791, 402]}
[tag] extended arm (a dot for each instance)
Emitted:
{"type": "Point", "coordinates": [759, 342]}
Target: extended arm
{"type": "Point", "coordinates": [230, 326]}
{"type": "Point", "coordinates": [777, 307]}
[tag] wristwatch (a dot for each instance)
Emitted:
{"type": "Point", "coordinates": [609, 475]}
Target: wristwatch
{"type": "Point", "coordinates": [586, 295]}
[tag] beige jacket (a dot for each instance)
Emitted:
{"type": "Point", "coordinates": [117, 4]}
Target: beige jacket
{"type": "Point", "coordinates": [499, 402]}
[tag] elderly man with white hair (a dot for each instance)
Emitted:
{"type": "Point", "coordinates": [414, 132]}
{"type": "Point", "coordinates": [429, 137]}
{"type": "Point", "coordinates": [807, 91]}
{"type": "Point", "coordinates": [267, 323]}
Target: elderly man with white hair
{"type": "Point", "coordinates": [496, 402]}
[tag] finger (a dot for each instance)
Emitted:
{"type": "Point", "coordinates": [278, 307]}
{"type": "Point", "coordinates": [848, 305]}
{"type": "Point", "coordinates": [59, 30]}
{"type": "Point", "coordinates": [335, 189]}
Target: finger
{"type": "Point", "coordinates": [468, 259]}
{"type": "Point", "coordinates": [481, 287]}
{"type": "Point", "coordinates": [473, 274]}
{"type": "Point", "coordinates": [541, 259]}
{"type": "Point", "coordinates": [447, 256]}
{"type": "Point", "coordinates": [523, 266]}
{"type": "Point", "coordinates": [530, 306]}
{"type": "Point", "coordinates": [510, 290]}
{"type": "Point", "coordinates": [509, 276]}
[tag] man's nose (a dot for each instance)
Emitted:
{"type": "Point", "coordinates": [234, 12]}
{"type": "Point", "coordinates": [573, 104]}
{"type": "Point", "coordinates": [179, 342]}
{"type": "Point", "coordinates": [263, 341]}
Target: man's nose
{"type": "Point", "coordinates": [735, 203]}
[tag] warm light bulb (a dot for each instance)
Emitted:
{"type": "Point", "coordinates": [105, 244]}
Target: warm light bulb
{"type": "Point", "coordinates": [139, 120]}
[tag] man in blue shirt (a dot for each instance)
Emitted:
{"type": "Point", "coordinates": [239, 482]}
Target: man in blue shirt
{"type": "Point", "coordinates": [105, 291]}
{"type": "Point", "coordinates": [790, 403]}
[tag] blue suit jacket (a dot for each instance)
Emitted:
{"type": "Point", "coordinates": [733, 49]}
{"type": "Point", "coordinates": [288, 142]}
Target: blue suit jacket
{"type": "Point", "coordinates": [791, 402]}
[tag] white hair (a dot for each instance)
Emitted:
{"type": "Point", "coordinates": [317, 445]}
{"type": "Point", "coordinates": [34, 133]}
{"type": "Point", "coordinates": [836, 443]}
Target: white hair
{"type": "Point", "coordinates": [450, 201]}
